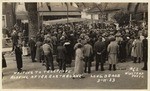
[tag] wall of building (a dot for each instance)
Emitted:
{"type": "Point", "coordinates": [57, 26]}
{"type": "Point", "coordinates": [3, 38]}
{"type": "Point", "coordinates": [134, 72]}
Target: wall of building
{"type": "Point", "coordinates": [111, 15]}
{"type": "Point", "coordinates": [85, 15]}
{"type": "Point", "coordinates": [89, 16]}
{"type": "Point", "coordinates": [9, 13]}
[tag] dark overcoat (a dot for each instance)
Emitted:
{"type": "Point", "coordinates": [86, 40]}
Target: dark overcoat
{"type": "Point", "coordinates": [18, 55]}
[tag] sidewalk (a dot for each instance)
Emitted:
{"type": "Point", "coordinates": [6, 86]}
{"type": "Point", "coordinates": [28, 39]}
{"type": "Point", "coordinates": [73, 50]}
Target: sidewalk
{"type": "Point", "coordinates": [127, 76]}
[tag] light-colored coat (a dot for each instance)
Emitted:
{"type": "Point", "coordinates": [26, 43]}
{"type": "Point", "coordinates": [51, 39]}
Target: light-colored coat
{"type": "Point", "coordinates": [78, 69]}
{"type": "Point", "coordinates": [133, 53]}
{"type": "Point", "coordinates": [112, 50]}
{"type": "Point", "coordinates": [138, 49]}
{"type": "Point", "coordinates": [87, 50]}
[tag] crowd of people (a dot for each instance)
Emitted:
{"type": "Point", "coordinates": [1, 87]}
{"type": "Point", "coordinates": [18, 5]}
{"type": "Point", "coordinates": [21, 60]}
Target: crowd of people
{"type": "Point", "coordinates": [84, 44]}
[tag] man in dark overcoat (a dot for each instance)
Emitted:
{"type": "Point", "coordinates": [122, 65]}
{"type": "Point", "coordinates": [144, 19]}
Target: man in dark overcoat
{"type": "Point", "coordinates": [145, 52]}
{"type": "Point", "coordinates": [18, 55]}
{"type": "Point", "coordinates": [61, 56]}
{"type": "Point", "coordinates": [32, 46]}
{"type": "Point", "coordinates": [4, 65]}
{"type": "Point", "coordinates": [99, 50]}
{"type": "Point", "coordinates": [69, 51]}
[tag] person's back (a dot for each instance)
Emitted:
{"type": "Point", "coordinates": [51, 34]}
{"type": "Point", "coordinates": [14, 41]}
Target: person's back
{"type": "Point", "coordinates": [38, 44]}
{"type": "Point", "coordinates": [49, 42]}
{"type": "Point", "coordinates": [46, 49]}
{"type": "Point", "coordinates": [112, 50]}
{"type": "Point", "coordinates": [18, 55]}
{"type": "Point", "coordinates": [139, 43]}
{"type": "Point", "coordinates": [61, 51]}
{"type": "Point", "coordinates": [99, 49]}
{"type": "Point", "coordinates": [138, 48]}
{"type": "Point", "coordinates": [48, 56]}
{"type": "Point", "coordinates": [87, 50]}
{"type": "Point", "coordinates": [99, 46]}
{"type": "Point", "coordinates": [32, 43]}
{"type": "Point", "coordinates": [113, 47]}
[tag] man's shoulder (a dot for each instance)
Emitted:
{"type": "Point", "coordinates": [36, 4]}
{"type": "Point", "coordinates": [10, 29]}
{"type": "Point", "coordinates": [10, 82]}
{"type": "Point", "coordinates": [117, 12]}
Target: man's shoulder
{"type": "Point", "coordinates": [87, 45]}
{"type": "Point", "coordinates": [45, 45]}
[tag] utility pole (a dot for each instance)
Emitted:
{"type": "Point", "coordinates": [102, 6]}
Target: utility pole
{"type": "Point", "coordinates": [130, 19]}
{"type": "Point", "coordinates": [67, 14]}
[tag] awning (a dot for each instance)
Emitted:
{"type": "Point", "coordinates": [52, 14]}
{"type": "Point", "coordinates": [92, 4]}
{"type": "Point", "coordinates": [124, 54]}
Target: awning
{"type": "Point", "coordinates": [63, 21]}
{"type": "Point", "coordinates": [62, 7]}
{"type": "Point", "coordinates": [58, 13]}
{"type": "Point", "coordinates": [22, 16]}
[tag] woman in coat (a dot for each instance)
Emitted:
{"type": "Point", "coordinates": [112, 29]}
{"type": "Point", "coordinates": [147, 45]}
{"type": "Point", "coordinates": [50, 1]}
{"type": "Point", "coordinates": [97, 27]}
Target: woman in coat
{"type": "Point", "coordinates": [38, 50]}
{"type": "Point", "coordinates": [138, 50]}
{"type": "Point", "coordinates": [79, 68]}
{"type": "Point", "coordinates": [24, 48]}
{"type": "Point", "coordinates": [112, 50]}
{"type": "Point", "coordinates": [133, 55]}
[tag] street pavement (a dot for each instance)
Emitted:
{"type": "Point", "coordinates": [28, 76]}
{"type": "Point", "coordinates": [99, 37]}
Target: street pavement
{"type": "Point", "coordinates": [127, 76]}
